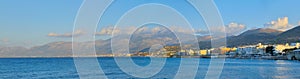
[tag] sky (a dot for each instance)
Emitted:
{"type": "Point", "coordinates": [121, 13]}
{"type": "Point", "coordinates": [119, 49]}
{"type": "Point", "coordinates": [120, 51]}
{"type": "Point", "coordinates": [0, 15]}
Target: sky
{"type": "Point", "coordinates": [37, 22]}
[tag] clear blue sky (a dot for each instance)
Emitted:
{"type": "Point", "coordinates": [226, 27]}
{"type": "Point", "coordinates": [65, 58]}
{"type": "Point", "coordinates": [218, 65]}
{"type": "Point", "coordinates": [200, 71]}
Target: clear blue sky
{"type": "Point", "coordinates": [27, 22]}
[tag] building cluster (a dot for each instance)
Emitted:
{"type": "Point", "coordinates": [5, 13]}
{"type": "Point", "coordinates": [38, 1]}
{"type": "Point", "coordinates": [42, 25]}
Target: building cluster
{"type": "Point", "coordinates": [262, 50]}
{"type": "Point", "coordinates": [176, 51]}
{"type": "Point", "coordinates": [241, 51]}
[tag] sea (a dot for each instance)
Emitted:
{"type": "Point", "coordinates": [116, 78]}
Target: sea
{"type": "Point", "coordinates": [65, 68]}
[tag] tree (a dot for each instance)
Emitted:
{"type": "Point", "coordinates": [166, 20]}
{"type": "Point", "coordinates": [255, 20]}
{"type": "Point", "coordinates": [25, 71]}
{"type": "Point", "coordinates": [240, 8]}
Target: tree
{"type": "Point", "coordinates": [270, 49]}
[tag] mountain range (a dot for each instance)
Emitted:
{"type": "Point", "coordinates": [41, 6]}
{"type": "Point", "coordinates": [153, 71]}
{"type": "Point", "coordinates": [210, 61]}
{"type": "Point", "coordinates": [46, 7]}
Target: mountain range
{"type": "Point", "coordinates": [254, 36]}
{"type": "Point", "coordinates": [142, 41]}
{"type": "Point", "coordinates": [265, 36]}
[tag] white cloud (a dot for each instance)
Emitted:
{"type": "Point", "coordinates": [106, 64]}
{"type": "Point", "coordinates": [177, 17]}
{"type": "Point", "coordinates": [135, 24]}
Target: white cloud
{"type": "Point", "coordinates": [281, 24]}
{"type": "Point", "coordinates": [109, 30]}
{"type": "Point", "coordinates": [127, 30]}
{"type": "Point", "coordinates": [201, 32]}
{"type": "Point", "coordinates": [76, 33]}
{"type": "Point", "coordinates": [158, 29]}
{"type": "Point", "coordinates": [5, 40]}
{"type": "Point", "coordinates": [234, 28]}
{"type": "Point", "coordinates": [230, 29]}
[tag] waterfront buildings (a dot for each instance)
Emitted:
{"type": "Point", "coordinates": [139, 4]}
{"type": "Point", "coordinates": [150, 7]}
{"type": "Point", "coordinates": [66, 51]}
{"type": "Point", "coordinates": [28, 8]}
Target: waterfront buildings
{"type": "Point", "coordinates": [258, 50]}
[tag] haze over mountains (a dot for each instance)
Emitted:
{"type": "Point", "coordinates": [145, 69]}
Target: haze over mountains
{"type": "Point", "coordinates": [144, 40]}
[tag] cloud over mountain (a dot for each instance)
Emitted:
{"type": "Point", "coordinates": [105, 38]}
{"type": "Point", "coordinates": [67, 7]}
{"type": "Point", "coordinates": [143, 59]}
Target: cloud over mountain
{"type": "Point", "coordinates": [234, 28]}
{"type": "Point", "coordinates": [76, 33]}
{"type": "Point", "coordinates": [4, 40]}
{"type": "Point", "coordinates": [281, 24]}
{"type": "Point", "coordinates": [109, 30]}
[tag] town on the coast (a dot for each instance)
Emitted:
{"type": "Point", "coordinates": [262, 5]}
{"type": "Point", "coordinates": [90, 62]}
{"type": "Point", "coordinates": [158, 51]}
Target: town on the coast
{"type": "Point", "coordinates": [288, 51]}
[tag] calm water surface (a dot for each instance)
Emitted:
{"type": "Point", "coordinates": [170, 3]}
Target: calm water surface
{"type": "Point", "coordinates": [49, 68]}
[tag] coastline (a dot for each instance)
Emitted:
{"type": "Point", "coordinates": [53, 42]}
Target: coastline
{"type": "Point", "coordinates": [205, 57]}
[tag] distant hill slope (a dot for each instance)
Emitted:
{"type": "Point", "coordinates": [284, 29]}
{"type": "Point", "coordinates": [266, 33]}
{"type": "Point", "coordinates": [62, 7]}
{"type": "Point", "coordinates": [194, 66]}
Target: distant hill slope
{"type": "Point", "coordinates": [292, 35]}
{"type": "Point", "coordinates": [266, 31]}
{"type": "Point", "coordinates": [264, 35]}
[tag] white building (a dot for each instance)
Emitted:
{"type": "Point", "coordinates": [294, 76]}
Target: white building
{"type": "Point", "coordinates": [246, 50]}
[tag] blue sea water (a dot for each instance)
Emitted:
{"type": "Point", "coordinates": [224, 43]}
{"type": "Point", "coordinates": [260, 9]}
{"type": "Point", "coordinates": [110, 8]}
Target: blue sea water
{"type": "Point", "coordinates": [64, 68]}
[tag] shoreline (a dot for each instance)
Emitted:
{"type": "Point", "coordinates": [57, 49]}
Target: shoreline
{"type": "Point", "coordinates": [206, 57]}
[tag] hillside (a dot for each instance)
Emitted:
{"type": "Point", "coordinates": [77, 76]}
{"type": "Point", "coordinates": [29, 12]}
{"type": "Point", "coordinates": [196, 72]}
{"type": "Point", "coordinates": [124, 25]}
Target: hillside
{"type": "Point", "coordinates": [254, 36]}
{"type": "Point", "coordinates": [292, 35]}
